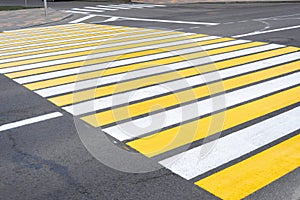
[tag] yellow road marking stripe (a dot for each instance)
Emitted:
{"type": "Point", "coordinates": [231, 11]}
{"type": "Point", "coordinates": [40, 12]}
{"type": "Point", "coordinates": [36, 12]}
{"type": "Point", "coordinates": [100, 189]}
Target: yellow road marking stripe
{"type": "Point", "coordinates": [256, 172]}
{"type": "Point", "coordinates": [59, 36]}
{"type": "Point", "coordinates": [101, 37]}
{"type": "Point", "coordinates": [86, 34]}
{"type": "Point", "coordinates": [69, 47]}
{"type": "Point", "coordinates": [144, 107]}
{"type": "Point", "coordinates": [95, 74]}
{"type": "Point", "coordinates": [26, 41]}
{"type": "Point", "coordinates": [60, 42]}
{"type": "Point", "coordinates": [82, 53]}
{"type": "Point", "coordinates": [94, 44]}
{"type": "Point", "coordinates": [66, 99]}
{"type": "Point", "coordinates": [181, 135]}
{"type": "Point", "coordinates": [78, 63]}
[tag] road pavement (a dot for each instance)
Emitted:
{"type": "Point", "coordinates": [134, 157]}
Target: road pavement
{"type": "Point", "coordinates": [148, 56]}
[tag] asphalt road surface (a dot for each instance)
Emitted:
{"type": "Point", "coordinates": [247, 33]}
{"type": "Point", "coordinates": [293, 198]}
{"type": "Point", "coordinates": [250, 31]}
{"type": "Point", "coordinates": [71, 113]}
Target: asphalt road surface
{"type": "Point", "coordinates": [51, 146]}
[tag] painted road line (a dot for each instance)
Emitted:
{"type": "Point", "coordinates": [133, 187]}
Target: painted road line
{"type": "Point", "coordinates": [127, 86]}
{"type": "Point", "coordinates": [256, 172]}
{"type": "Point", "coordinates": [82, 19]}
{"type": "Point", "coordinates": [73, 87]}
{"type": "Point", "coordinates": [169, 79]}
{"type": "Point", "coordinates": [68, 43]}
{"type": "Point", "coordinates": [94, 74]}
{"type": "Point", "coordinates": [176, 116]}
{"type": "Point", "coordinates": [98, 8]}
{"type": "Point", "coordinates": [117, 6]}
{"type": "Point", "coordinates": [108, 7]}
{"type": "Point", "coordinates": [82, 69]}
{"type": "Point", "coordinates": [126, 37]}
{"type": "Point", "coordinates": [55, 36]}
{"type": "Point", "coordinates": [107, 35]}
{"type": "Point", "coordinates": [268, 31]}
{"type": "Point", "coordinates": [80, 48]}
{"type": "Point", "coordinates": [30, 121]}
{"type": "Point", "coordinates": [11, 67]}
{"type": "Point", "coordinates": [189, 165]}
{"type": "Point", "coordinates": [168, 100]}
{"type": "Point", "coordinates": [77, 12]}
{"type": "Point", "coordinates": [138, 51]}
{"type": "Point", "coordinates": [95, 59]}
{"type": "Point", "coordinates": [87, 10]}
{"type": "Point", "coordinates": [175, 137]}
{"type": "Point", "coordinates": [18, 45]}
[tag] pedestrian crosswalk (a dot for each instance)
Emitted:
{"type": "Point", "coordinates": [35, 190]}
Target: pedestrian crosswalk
{"type": "Point", "coordinates": [112, 7]}
{"type": "Point", "coordinates": [220, 112]}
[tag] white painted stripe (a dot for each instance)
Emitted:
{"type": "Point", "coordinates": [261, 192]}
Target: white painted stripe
{"type": "Point", "coordinates": [30, 121]}
{"type": "Point", "coordinates": [176, 115]}
{"type": "Point", "coordinates": [81, 19]}
{"type": "Point", "coordinates": [50, 41]}
{"type": "Point", "coordinates": [87, 10]}
{"type": "Point", "coordinates": [98, 8]}
{"type": "Point", "coordinates": [72, 59]}
{"type": "Point", "coordinates": [169, 21]}
{"type": "Point", "coordinates": [77, 70]}
{"type": "Point", "coordinates": [119, 7]}
{"type": "Point", "coordinates": [111, 7]}
{"type": "Point", "coordinates": [151, 91]}
{"type": "Point", "coordinates": [204, 158]}
{"type": "Point", "coordinates": [70, 51]}
{"type": "Point", "coordinates": [90, 83]}
{"type": "Point", "coordinates": [268, 31]}
{"type": "Point", "coordinates": [79, 43]}
{"type": "Point", "coordinates": [78, 12]}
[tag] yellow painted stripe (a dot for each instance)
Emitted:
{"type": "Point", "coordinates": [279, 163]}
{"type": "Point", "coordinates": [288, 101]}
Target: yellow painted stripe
{"type": "Point", "coordinates": [94, 74]}
{"type": "Point", "coordinates": [14, 52]}
{"type": "Point", "coordinates": [107, 90]}
{"type": "Point", "coordinates": [60, 42]}
{"type": "Point", "coordinates": [36, 37]}
{"type": "Point", "coordinates": [63, 41]}
{"type": "Point", "coordinates": [69, 55]}
{"type": "Point", "coordinates": [181, 135]}
{"type": "Point", "coordinates": [95, 44]}
{"type": "Point", "coordinates": [133, 110]}
{"type": "Point", "coordinates": [256, 172]}
{"type": "Point", "coordinates": [40, 38]}
{"type": "Point", "coordinates": [82, 63]}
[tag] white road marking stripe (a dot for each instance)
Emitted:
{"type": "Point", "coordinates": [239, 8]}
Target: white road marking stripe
{"type": "Point", "coordinates": [193, 163]}
{"type": "Point", "coordinates": [112, 7]}
{"type": "Point", "coordinates": [77, 70]}
{"type": "Point", "coordinates": [78, 43]}
{"type": "Point", "coordinates": [98, 8]}
{"type": "Point", "coordinates": [82, 19]}
{"type": "Point", "coordinates": [87, 10]}
{"type": "Point", "coordinates": [118, 7]}
{"type": "Point", "coordinates": [22, 45]}
{"type": "Point", "coordinates": [47, 92]}
{"type": "Point", "coordinates": [268, 31]}
{"type": "Point", "coordinates": [30, 121]}
{"type": "Point", "coordinates": [78, 12]}
{"type": "Point", "coordinates": [168, 21]}
{"type": "Point", "coordinates": [151, 91]}
{"type": "Point", "coordinates": [67, 51]}
{"type": "Point", "coordinates": [67, 60]}
{"type": "Point", "coordinates": [175, 116]}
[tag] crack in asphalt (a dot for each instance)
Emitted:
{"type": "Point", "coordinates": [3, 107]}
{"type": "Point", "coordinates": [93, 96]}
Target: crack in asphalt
{"type": "Point", "coordinates": [35, 162]}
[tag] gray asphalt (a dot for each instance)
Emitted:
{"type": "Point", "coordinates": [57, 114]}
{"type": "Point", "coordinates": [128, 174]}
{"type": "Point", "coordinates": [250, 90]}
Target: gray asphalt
{"type": "Point", "coordinates": [47, 160]}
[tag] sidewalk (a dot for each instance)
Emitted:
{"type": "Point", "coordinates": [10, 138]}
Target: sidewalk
{"type": "Point", "coordinates": [17, 19]}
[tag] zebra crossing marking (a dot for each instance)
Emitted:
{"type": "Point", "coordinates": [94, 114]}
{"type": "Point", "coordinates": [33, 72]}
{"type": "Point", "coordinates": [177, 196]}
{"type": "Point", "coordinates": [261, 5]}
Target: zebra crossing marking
{"type": "Point", "coordinates": [91, 70]}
